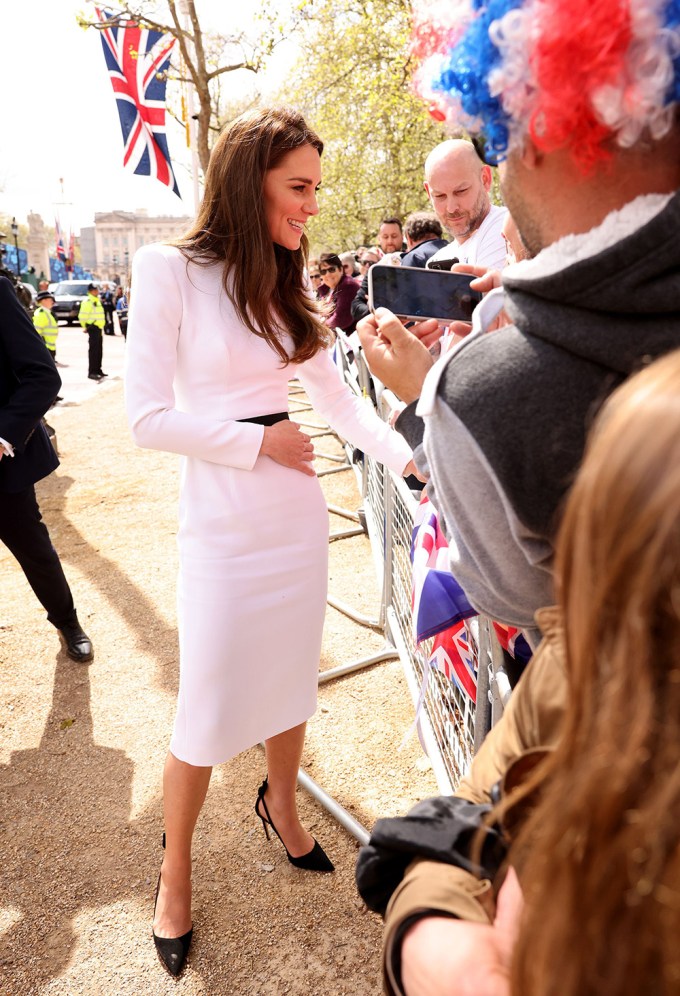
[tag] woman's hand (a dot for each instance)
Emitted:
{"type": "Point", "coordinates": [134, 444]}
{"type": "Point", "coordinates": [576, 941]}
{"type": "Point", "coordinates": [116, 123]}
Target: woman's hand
{"type": "Point", "coordinates": [445, 957]}
{"type": "Point", "coordinates": [288, 445]}
{"type": "Point", "coordinates": [410, 470]}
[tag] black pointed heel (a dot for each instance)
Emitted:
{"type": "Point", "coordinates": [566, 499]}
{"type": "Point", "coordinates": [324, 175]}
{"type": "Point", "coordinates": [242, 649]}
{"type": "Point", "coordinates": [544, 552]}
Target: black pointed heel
{"type": "Point", "coordinates": [172, 951]}
{"type": "Point", "coordinates": [315, 860]}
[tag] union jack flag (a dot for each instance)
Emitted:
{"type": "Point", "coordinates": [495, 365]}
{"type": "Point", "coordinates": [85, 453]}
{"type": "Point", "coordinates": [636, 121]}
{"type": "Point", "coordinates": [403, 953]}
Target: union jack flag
{"type": "Point", "coordinates": [514, 641]}
{"type": "Point", "coordinates": [137, 59]}
{"type": "Point", "coordinates": [60, 250]}
{"type": "Point", "coordinates": [438, 600]}
{"type": "Point", "coordinates": [440, 606]}
{"type": "Point", "coordinates": [454, 654]}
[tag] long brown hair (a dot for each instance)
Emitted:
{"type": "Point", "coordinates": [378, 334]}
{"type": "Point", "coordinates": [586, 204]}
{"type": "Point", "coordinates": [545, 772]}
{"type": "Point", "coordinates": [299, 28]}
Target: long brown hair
{"type": "Point", "coordinates": [264, 281]}
{"type": "Point", "coordinates": [598, 858]}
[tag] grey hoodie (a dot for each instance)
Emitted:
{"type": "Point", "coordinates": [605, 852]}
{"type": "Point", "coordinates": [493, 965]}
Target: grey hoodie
{"type": "Point", "coordinates": [506, 415]}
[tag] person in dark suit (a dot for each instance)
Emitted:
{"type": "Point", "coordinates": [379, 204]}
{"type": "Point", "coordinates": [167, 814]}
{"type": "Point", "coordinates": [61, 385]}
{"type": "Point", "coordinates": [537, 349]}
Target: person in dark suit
{"type": "Point", "coordinates": [109, 305]}
{"type": "Point", "coordinates": [29, 383]}
{"type": "Point", "coordinates": [423, 233]}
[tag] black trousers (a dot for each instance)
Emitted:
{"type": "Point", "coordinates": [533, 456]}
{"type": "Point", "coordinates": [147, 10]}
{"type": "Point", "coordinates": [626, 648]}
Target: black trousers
{"type": "Point", "coordinates": [108, 318]}
{"type": "Point", "coordinates": [25, 535]}
{"type": "Point", "coordinates": [94, 350]}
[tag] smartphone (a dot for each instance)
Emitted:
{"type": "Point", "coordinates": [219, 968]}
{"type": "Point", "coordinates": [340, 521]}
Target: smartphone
{"type": "Point", "coordinates": [444, 264]}
{"type": "Point", "coordinates": [415, 293]}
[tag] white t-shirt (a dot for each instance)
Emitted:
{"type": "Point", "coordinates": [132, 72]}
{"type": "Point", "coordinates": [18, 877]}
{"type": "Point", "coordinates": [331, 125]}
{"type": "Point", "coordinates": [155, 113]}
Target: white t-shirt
{"type": "Point", "coordinates": [485, 247]}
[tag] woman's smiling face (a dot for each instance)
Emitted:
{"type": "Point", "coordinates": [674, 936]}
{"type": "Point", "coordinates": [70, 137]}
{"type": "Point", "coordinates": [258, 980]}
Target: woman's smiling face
{"type": "Point", "coordinates": [290, 195]}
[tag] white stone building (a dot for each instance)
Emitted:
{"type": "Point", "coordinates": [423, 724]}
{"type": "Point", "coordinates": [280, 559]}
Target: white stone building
{"type": "Point", "coordinates": [118, 234]}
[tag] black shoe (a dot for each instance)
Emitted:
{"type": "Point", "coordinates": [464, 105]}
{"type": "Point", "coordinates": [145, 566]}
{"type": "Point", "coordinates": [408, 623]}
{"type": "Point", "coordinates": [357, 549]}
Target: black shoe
{"type": "Point", "coordinates": [95, 377]}
{"type": "Point", "coordinates": [77, 642]}
{"type": "Point", "coordinates": [102, 374]}
{"type": "Point", "coordinates": [315, 860]}
{"type": "Point", "coordinates": [172, 951]}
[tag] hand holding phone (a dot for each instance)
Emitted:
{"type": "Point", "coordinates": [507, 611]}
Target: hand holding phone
{"type": "Point", "coordinates": [428, 331]}
{"type": "Point", "coordinates": [394, 354]}
{"type": "Point", "coordinates": [414, 293]}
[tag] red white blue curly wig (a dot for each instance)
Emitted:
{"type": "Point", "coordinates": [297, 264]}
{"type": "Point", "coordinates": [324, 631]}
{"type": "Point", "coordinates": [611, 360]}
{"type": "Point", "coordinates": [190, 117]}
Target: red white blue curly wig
{"type": "Point", "coordinates": [573, 74]}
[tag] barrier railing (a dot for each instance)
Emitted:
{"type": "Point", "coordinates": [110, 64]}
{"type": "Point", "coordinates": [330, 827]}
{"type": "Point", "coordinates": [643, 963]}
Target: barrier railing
{"type": "Point", "coordinates": [449, 724]}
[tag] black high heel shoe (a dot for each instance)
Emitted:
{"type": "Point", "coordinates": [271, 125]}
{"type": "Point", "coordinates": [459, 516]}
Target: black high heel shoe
{"type": "Point", "coordinates": [315, 860]}
{"type": "Point", "coordinates": [172, 951]}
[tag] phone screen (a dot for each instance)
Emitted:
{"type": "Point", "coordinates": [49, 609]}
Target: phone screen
{"type": "Point", "coordinates": [412, 292]}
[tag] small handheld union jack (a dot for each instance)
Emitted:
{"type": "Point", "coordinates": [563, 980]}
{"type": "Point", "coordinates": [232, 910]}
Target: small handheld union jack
{"type": "Point", "coordinates": [137, 59]}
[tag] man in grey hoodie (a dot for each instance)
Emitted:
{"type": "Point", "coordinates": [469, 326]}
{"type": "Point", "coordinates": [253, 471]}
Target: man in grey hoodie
{"type": "Point", "coordinates": [499, 423]}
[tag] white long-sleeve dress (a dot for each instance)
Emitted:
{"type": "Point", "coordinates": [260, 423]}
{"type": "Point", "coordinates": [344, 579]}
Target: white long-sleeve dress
{"type": "Point", "coordinates": [253, 535]}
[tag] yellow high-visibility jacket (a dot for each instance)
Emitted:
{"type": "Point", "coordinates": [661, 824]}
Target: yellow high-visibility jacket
{"type": "Point", "coordinates": [47, 326]}
{"type": "Point", "coordinates": [91, 312]}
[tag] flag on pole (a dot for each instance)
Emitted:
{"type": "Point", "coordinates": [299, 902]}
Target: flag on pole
{"type": "Point", "coordinates": [59, 238]}
{"type": "Point", "coordinates": [70, 265]}
{"type": "Point", "coordinates": [137, 59]}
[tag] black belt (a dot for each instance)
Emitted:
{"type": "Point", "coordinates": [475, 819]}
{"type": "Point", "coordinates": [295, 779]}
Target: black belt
{"type": "Point", "coordinates": [266, 419]}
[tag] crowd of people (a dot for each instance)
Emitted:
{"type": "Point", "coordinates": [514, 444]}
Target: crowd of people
{"type": "Point", "coordinates": [553, 868]}
{"type": "Point", "coordinates": [546, 433]}
{"type": "Point", "coordinates": [458, 185]}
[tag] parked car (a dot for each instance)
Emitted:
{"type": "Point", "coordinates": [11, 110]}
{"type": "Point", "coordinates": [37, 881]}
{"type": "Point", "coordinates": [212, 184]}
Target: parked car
{"type": "Point", "coordinates": [68, 296]}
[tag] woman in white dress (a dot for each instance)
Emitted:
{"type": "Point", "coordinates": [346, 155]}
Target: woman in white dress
{"type": "Point", "coordinates": [219, 324]}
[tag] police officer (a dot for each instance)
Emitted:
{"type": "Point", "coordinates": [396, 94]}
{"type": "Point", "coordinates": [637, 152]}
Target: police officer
{"type": "Point", "coordinates": [46, 323]}
{"type": "Point", "coordinates": [91, 318]}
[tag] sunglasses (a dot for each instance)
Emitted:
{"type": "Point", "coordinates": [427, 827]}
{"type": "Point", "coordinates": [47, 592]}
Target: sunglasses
{"type": "Point", "coordinates": [330, 269]}
{"type": "Point", "coordinates": [315, 276]}
{"type": "Point", "coordinates": [490, 157]}
{"type": "Point", "coordinates": [367, 262]}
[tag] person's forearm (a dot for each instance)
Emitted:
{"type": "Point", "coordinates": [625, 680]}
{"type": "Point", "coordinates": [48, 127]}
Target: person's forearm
{"type": "Point", "coordinates": [430, 888]}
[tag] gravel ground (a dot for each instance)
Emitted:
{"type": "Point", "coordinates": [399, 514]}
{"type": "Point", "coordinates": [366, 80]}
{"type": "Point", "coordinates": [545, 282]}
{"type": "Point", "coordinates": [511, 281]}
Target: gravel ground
{"type": "Point", "coordinates": [82, 749]}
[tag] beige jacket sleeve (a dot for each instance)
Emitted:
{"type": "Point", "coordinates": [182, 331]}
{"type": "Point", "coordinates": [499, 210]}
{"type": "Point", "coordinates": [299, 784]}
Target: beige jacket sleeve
{"type": "Point", "coordinates": [531, 720]}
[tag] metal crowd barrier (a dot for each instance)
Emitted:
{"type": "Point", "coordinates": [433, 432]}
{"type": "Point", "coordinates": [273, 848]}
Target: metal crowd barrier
{"type": "Point", "coordinates": [450, 726]}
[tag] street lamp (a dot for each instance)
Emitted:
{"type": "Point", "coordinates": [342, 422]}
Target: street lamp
{"type": "Point", "coordinates": [15, 233]}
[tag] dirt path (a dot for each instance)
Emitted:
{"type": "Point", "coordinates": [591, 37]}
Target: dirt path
{"type": "Point", "coordinates": [82, 748]}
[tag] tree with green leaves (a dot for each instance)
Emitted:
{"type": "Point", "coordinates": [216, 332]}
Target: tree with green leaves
{"type": "Point", "coordinates": [353, 83]}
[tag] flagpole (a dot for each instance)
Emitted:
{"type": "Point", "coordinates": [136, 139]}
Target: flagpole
{"type": "Point", "coordinates": [184, 8]}
{"type": "Point", "coordinates": [69, 260]}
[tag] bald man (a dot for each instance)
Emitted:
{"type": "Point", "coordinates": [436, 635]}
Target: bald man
{"type": "Point", "coordinates": [458, 185]}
